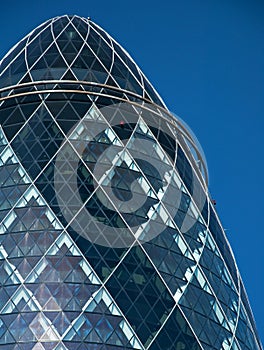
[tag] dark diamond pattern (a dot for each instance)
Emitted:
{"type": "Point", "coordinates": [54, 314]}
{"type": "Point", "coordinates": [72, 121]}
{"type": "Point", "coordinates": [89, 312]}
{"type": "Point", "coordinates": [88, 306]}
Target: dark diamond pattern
{"type": "Point", "coordinates": [62, 291]}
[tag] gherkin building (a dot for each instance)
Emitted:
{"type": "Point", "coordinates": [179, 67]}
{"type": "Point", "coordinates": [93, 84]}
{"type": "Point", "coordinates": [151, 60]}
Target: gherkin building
{"type": "Point", "coordinates": [108, 236]}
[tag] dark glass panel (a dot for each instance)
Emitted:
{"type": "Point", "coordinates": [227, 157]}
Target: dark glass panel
{"type": "Point", "coordinates": [223, 246]}
{"type": "Point", "coordinates": [94, 41]}
{"type": "Point", "coordinates": [59, 24]}
{"type": "Point", "coordinates": [39, 137]}
{"type": "Point", "coordinates": [210, 333]}
{"type": "Point", "coordinates": [39, 29]}
{"type": "Point", "coordinates": [168, 259]}
{"type": "Point", "coordinates": [127, 61]}
{"type": "Point", "coordinates": [14, 72]}
{"type": "Point", "coordinates": [44, 39]}
{"type": "Point", "coordinates": [99, 72]}
{"type": "Point", "coordinates": [81, 26]}
{"type": "Point", "coordinates": [12, 119]}
{"type": "Point", "coordinates": [84, 59]}
{"type": "Point", "coordinates": [13, 54]}
{"type": "Point", "coordinates": [18, 66]}
{"type": "Point", "coordinates": [111, 82]}
{"type": "Point", "coordinates": [247, 306]}
{"type": "Point", "coordinates": [124, 78]}
{"type": "Point", "coordinates": [176, 334]}
{"type": "Point", "coordinates": [152, 93]}
{"type": "Point", "coordinates": [141, 294]}
{"type": "Point", "coordinates": [102, 259]}
{"type": "Point", "coordinates": [69, 76]}
{"type": "Point", "coordinates": [101, 32]}
{"type": "Point", "coordinates": [205, 211]}
{"type": "Point", "coordinates": [185, 170]}
{"type": "Point", "coordinates": [34, 51]}
{"type": "Point", "coordinates": [26, 79]}
{"type": "Point", "coordinates": [165, 139]}
{"type": "Point", "coordinates": [69, 43]}
{"type": "Point", "coordinates": [105, 54]}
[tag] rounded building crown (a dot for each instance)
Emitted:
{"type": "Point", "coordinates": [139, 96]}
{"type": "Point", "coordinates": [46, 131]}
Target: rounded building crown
{"type": "Point", "coordinates": [76, 49]}
{"type": "Point", "coordinates": [109, 238]}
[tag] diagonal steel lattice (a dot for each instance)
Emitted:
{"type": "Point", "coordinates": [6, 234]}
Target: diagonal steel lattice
{"type": "Point", "coordinates": [108, 236]}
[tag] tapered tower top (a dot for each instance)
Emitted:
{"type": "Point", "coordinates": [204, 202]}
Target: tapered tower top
{"type": "Point", "coordinates": [108, 236]}
{"type": "Point", "coordinates": [76, 49]}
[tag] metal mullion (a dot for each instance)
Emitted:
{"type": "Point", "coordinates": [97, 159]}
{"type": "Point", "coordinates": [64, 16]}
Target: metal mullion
{"type": "Point", "coordinates": [102, 189]}
{"type": "Point", "coordinates": [63, 229]}
{"type": "Point", "coordinates": [181, 235]}
{"type": "Point", "coordinates": [68, 140]}
{"type": "Point", "coordinates": [209, 233]}
{"type": "Point", "coordinates": [160, 201]}
{"type": "Point", "coordinates": [55, 216]}
{"type": "Point", "coordinates": [112, 61]}
{"type": "Point", "coordinates": [238, 316]}
{"type": "Point", "coordinates": [105, 95]}
{"type": "Point", "coordinates": [142, 86]}
{"type": "Point", "coordinates": [24, 125]}
{"type": "Point", "coordinates": [207, 225]}
{"type": "Point", "coordinates": [53, 42]}
{"type": "Point", "coordinates": [130, 155]}
{"type": "Point", "coordinates": [98, 59]}
{"type": "Point", "coordinates": [186, 320]}
{"type": "Point", "coordinates": [138, 168]}
{"type": "Point", "coordinates": [83, 45]}
{"type": "Point", "coordinates": [103, 284]}
{"type": "Point", "coordinates": [94, 27]}
{"type": "Point", "coordinates": [29, 42]}
{"type": "Point", "coordinates": [218, 300]}
{"type": "Point", "coordinates": [103, 287]}
{"type": "Point", "coordinates": [113, 52]}
{"type": "Point", "coordinates": [14, 206]}
{"type": "Point", "coordinates": [32, 184]}
{"type": "Point", "coordinates": [245, 310]}
{"type": "Point", "coordinates": [94, 191]}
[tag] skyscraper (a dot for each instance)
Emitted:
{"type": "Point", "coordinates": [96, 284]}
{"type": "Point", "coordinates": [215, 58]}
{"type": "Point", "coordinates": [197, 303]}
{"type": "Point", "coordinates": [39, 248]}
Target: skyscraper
{"type": "Point", "coordinates": [108, 236]}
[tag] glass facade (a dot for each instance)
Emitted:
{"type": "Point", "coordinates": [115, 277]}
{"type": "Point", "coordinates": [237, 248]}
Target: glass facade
{"type": "Point", "coordinates": [108, 236]}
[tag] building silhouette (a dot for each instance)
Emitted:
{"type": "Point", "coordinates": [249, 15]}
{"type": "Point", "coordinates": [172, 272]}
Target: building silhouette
{"type": "Point", "coordinates": [108, 236]}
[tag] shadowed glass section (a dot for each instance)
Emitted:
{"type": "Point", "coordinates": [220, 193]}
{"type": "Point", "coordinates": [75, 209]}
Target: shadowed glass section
{"type": "Point", "coordinates": [74, 48]}
{"type": "Point", "coordinates": [175, 285]}
{"type": "Point", "coordinates": [141, 294]}
{"type": "Point", "coordinates": [46, 284]}
{"type": "Point", "coordinates": [175, 334]}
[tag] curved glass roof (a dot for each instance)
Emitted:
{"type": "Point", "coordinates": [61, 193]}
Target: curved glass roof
{"type": "Point", "coordinates": [74, 48]}
{"type": "Point", "coordinates": [178, 287]}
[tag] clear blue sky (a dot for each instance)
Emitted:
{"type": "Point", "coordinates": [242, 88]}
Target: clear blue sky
{"type": "Point", "coordinates": [206, 59]}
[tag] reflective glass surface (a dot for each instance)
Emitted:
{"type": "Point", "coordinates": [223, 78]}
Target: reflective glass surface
{"type": "Point", "coordinates": [108, 237]}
